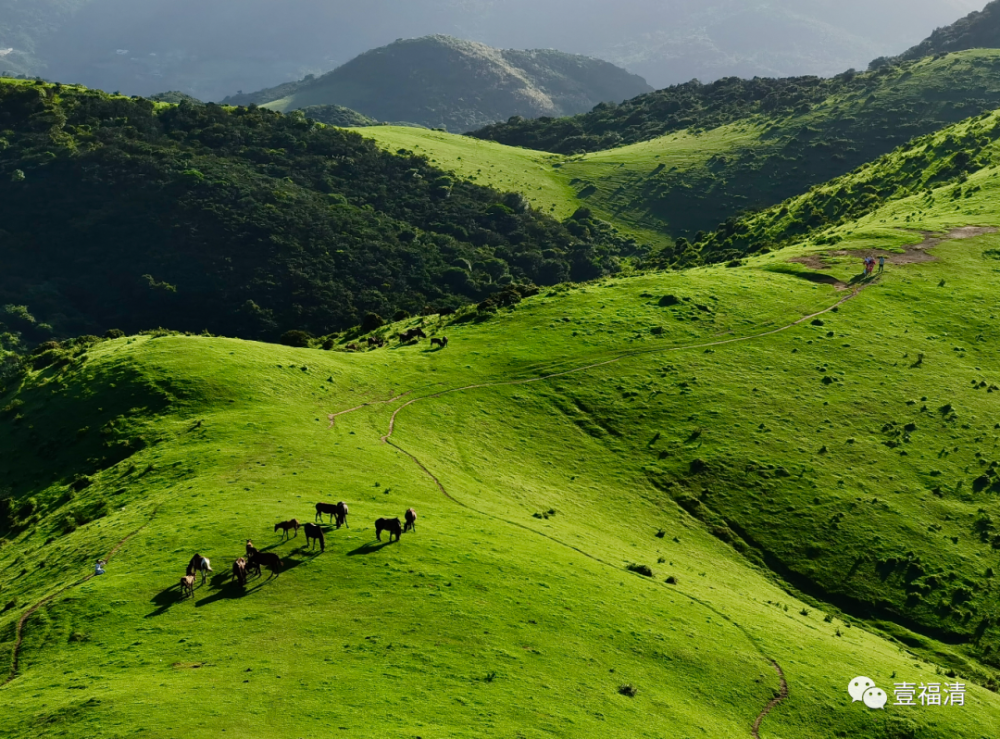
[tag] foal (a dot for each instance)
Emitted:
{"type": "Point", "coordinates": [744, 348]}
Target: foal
{"type": "Point", "coordinates": [286, 525]}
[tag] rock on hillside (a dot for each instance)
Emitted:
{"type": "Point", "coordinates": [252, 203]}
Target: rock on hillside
{"type": "Point", "coordinates": [443, 82]}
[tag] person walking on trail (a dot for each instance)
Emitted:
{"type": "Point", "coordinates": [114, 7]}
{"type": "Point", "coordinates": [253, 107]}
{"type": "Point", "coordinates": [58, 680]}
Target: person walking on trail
{"type": "Point", "coordinates": [881, 265]}
{"type": "Point", "coordinates": [99, 567]}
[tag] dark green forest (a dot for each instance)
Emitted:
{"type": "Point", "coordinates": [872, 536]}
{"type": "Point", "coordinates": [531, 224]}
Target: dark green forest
{"type": "Point", "coordinates": [124, 214]}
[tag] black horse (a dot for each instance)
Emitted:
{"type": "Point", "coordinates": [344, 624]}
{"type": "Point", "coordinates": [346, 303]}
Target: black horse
{"type": "Point", "coordinates": [392, 525]}
{"type": "Point", "coordinates": [314, 533]}
{"type": "Point", "coordinates": [265, 559]}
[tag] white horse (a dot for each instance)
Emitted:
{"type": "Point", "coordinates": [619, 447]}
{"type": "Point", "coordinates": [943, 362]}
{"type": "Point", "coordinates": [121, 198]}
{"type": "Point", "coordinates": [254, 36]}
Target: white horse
{"type": "Point", "coordinates": [200, 564]}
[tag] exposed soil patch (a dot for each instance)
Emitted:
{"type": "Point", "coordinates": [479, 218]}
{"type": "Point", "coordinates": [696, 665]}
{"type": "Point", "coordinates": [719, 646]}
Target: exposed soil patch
{"type": "Point", "coordinates": [913, 254]}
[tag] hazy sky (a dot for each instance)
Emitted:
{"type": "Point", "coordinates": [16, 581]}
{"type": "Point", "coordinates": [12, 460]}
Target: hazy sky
{"type": "Point", "coordinates": [214, 47]}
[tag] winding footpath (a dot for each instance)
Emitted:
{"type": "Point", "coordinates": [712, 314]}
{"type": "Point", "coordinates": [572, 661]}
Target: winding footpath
{"type": "Point", "coordinates": [387, 438]}
{"type": "Point", "coordinates": [782, 694]}
{"type": "Point", "coordinates": [619, 358]}
{"type": "Point", "coordinates": [16, 654]}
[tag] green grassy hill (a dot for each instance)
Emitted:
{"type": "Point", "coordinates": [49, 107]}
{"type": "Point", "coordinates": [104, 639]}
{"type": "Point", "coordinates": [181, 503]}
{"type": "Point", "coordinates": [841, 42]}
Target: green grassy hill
{"type": "Point", "coordinates": [444, 82]}
{"type": "Point", "coordinates": [807, 471]}
{"type": "Point", "coordinates": [247, 223]}
{"type": "Point", "coordinates": [944, 171]}
{"type": "Point", "coordinates": [779, 137]}
{"type": "Point", "coordinates": [606, 182]}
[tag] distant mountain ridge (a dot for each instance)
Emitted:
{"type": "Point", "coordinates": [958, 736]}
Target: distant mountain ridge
{"type": "Point", "coordinates": [444, 82]}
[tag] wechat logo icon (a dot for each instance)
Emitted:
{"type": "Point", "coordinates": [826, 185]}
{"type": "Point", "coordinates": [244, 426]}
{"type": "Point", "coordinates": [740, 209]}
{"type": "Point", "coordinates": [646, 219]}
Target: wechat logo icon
{"type": "Point", "coordinates": [864, 689]}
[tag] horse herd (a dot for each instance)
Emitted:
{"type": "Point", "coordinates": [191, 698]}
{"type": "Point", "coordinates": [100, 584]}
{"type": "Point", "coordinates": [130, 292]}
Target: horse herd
{"type": "Point", "coordinates": [255, 559]}
{"type": "Point", "coordinates": [404, 338]}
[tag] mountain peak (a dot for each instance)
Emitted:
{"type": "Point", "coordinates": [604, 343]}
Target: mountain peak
{"type": "Point", "coordinates": [441, 81]}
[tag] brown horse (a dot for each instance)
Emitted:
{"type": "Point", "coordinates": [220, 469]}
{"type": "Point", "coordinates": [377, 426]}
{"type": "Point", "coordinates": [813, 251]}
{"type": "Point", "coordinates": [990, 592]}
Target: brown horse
{"type": "Point", "coordinates": [268, 560]}
{"type": "Point", "coordinates": [251, 549]}
{"type": "Point", "coordinates": [325, 509]}
{"type": "Point", "coordinates": [314, 533]}
{"type": "Point", "coordinates": [240, 571]}
{"type": "Point", "coordinates": [411, 521]}
{"type": "Point", "coordinates": [342, 514]}
{"type": "Point", "coordinates": [187, 586]}
{"type": "Point", "coordinates": [286, 525]}
{"type": "Point", "coordinates": [376, 341]}
{"type": "Point", "coordinates": [392, 525]}
{"type": "Point", "coordinates": [442, 342]}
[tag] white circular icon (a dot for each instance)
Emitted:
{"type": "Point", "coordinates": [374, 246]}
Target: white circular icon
{"type": "Point", "coordinates": [858, 687]}
{"type": "Point", "coordinates": [875, 697]}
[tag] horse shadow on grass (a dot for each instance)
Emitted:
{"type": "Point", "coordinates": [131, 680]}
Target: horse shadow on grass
{"type": "Point", "coordinates": [165, 599]}
{"type": "Point", "coordinates": [369, 548]}
{"type": "Point", "coordinates": [230, 591]}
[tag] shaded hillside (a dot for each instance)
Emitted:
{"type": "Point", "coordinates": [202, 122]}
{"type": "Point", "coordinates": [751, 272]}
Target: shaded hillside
{"type": "Point", "coordinates": [942, 170]}
{"type": "Point", "coordinates": [978, 30]}
{"type": "Point", "coordinates": [246, 222]}
{"type": "Point", "coordinates": [443, 82]}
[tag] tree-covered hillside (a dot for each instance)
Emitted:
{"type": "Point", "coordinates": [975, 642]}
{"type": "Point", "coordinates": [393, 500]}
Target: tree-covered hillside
{"type": "Point", "coordinates": [337, 115]}
{"type": "Point", "coordinates": [444, 82]}
{"type": "Point", "coordinates": [978, 30]}
{"type": "Point", "coordinates": [123, 213]}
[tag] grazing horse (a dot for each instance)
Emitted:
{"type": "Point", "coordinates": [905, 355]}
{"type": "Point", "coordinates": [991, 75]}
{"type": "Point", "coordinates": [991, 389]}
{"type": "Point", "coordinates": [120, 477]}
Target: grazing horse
{"type": "Point", "coordinates": [199, 564]}
{"type": "Point", "coordinates": [269, 560]}
{"type": "Point", "coordinates": [314, 533]}
{"type": "Point", "coordinates": [187, 586]}
{"type": "Point", "coordinates": [411, 521]}
{"type": "Point", "coordinates": [392, 525]}
{"type": "Point", "coordinates": [325, 508]}
{"type": "Point", "coordinates": [376, 341]}
{"type": "Point", "coordinates": [341, 514]}
{"type": "Point", "coordinates": [442, 342]}
{"type": "Point", "coordinates": [251, 549]}
{"type": "Point", "coordinates": [286, 525]}
{"type": "Point", "coordinates": [414, 333]}
{"type": "Point", "coordinates": [240, 571]}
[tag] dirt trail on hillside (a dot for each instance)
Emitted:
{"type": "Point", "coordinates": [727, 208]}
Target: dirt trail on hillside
{"type": "Point", "coordinates": [782, 694]}
{"type": "Point", "coordinates": [626, 355]}
{"type": "Point", "coordinates": [913, 254]}
{"type": "Point", "coordinates": [387, 438]}
{"type": "Point", "coordinates": [16, 654]}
